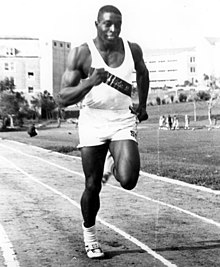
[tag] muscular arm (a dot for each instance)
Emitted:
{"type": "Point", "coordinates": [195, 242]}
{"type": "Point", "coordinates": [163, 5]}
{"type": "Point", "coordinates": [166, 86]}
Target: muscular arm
{"type": "Point", "coordinates": [74, 86]}
{"type": "Point", "coordinates": [142, 78]}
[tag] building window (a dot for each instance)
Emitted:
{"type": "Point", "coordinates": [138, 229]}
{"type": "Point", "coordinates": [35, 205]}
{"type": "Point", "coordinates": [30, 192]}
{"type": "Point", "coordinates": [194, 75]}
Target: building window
{"type": "Point", "coordinates": [61, 44]}
{"type": "Point", "coordinates": [12, 66]}
{"type": "Point", "coordinates": [54, 43]}
{"type": "Point", "coordinates": [10, 51]}
{"type": "Point", "coordinates": [6, 66]}
{"type": "Point", "coordinates": [173, 70]}
{"type": "Point", "coordinates": [192, 59]}
{"type": "Point", "coordinates": [192, 69]}
{"type": "Point", "coordinates": [68, 45]}
{"type": "Point", "coordinates": [31, 76]}
{"type": "Point", "coordinates": [30, 89]}
{"type": "Point", "coordinates": [9, 66]}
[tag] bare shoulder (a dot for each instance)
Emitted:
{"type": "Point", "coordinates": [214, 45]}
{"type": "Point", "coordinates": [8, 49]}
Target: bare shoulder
{"type": "Point", "coordinates": [136, 51]}
{"type": "Point", "coordinates": [79, 58]}
{"type": "Point", "coordinates": [78, 66]}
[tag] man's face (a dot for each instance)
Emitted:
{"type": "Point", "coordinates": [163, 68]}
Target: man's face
{"type": "Point", "coordinates": [109, 27]}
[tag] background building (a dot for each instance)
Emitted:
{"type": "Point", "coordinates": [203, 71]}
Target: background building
{"type": "Point", "coordinates": [35, 65]}
{"type": "Point", "coordinates": [173, 67]}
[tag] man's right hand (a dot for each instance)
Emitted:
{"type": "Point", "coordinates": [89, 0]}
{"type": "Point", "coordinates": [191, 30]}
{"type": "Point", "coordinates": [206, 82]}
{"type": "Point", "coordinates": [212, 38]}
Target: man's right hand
{"type": "Point", "coordinates": [97, 76]}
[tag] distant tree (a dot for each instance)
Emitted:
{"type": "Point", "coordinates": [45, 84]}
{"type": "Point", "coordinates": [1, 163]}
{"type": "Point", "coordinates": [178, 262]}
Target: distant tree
{"type": "Point", "coordinates": [12, 104]}
{"type": "Point", "coordinates": [158, 100]}
{"type": "Point", "coordinates": [182, 97]}
{"type": "Point", "coordinates": [205, 77]}
{"type": "Point", "coordinates": [193, 97]}
{"type": "Point", "coordinates": [163, 101]}
{"type": "Point", "coordinates": [214, 99]}
{"type": "Point", "coordinates": [214, 94]}
{"type": "Point", "coordinates": [35, 106]}
{"type": "Point", "coordinates": [203, 95]}
{"type": "Point", "coordinates": [47, 104]}
{"type": "Point", "coordinates": [7, 84]}
{"type": "Point", "coordinates": [186, 83]}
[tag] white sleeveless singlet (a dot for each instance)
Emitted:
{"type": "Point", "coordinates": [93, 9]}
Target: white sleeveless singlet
{"type": "Point", "coordinates": [105, 113]}
{"type": "Point", "coordinates": [104, 96]}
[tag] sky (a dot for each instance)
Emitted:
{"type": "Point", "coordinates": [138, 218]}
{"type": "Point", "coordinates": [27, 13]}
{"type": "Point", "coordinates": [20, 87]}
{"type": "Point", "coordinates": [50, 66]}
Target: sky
{"type": "Point", "coordinates": [150, 23]}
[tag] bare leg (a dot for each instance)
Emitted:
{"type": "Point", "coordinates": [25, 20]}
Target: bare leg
{"type": "Point", "coordinates": [93, 159]}
{"type": "Point", "coordinates": [127, 162]}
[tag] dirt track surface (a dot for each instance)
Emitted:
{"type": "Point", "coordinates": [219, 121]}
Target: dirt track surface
{"type": "Point", "coordinates": [157, 224]}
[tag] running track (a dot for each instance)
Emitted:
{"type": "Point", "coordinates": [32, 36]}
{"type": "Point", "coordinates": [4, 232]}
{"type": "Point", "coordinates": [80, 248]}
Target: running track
{"type": "Point", "coordinates": [160, 223]}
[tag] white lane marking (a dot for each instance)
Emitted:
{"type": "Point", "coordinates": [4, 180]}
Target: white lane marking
{"type": "Point", "coordinates": [149, 175]}
{"type": "Point", "coordinates": [46, 161]}
{"type": "Point", "coordinates": [10, 259]}
{"type": "Point", "coordinates": [111, 226]}
{"type": "Point", "coordinates": [181, 183]}
{"type": "Point", "coordinates": [138, 243]}
{"type": "Point", "coordinates": [210, 221]}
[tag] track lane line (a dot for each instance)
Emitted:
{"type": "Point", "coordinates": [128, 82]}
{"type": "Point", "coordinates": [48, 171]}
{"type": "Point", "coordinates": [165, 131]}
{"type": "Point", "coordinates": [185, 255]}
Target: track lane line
{"type": "Point", "coordinates": [111, 226]}
{"type": "Point", "coordinates": [210, 221]}
{"type": "Point", "coordinates": [8, 253]}
{"type": "Point", "coordinates": [204, 219]}
{"type": "Point", "coordinates": [146, 174]}
{"type": "Point", "coordinates": [181, 183]}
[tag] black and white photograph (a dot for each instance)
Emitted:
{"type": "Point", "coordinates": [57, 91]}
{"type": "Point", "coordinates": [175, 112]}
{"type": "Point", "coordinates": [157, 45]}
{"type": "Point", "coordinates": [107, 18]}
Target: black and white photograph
{"type": "Point", "coordinates": [110, 133]}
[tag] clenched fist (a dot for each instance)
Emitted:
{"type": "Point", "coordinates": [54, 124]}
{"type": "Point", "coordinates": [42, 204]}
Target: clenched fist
{"type": "Point", "coordinates": [97, 76]}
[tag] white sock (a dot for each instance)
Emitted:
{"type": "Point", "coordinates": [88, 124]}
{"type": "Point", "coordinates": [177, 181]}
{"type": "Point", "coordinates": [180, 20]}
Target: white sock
{"type": "Point", "coordinates": [89, 234]}
{"type": "Point", "coordinates": [109, 164]}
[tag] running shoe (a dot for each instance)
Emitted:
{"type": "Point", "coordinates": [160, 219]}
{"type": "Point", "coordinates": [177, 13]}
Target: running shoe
{"type": "Point", "coordinates": [94, 250]}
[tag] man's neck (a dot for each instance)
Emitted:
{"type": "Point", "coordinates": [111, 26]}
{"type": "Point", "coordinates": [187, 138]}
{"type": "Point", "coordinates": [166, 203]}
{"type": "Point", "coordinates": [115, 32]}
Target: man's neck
{"type": "Point", "coordinates": [107, 46]}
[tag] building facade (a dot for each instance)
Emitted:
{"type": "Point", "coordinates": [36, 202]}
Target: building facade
{"type": "Point", "coordinates": [173, 67]}
{"type": "Point", "coordinates": [35, 65]}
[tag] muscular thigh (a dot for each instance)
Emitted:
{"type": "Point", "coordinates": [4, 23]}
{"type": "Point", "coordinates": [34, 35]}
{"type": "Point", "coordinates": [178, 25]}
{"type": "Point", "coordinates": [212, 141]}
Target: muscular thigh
{"type": "Point", "coordinates": [127, 160]}
{"type": "Point", "coordinates": [93, 159]}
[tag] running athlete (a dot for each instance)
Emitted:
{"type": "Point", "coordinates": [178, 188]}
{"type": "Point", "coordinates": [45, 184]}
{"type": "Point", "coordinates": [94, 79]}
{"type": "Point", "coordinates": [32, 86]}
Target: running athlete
{"type": "Point", "coordinates": [99, 73]}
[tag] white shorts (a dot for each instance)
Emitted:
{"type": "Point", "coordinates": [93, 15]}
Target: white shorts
{"type": "Point", "coordinates": [98, 126]}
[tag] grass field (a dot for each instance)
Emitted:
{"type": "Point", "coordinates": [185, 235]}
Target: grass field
{"type": "Point", "coordinates": [188, 155]}
{"type": "Point", "coordinates": [192, 156]}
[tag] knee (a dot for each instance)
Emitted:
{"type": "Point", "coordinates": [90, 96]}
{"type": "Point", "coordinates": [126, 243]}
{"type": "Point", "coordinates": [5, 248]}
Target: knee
{"type": "Point", "coordinates": [127, 180]}
{"type": "Point", "coordinates": [128, 184]}
{"type": "Point", "coordinates": [92, 187]}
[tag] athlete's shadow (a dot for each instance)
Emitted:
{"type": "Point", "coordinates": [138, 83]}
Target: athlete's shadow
{"type": "Point", "coordinates": [113, 253]}
{"type": "Point", "coordinates": [208, 244]}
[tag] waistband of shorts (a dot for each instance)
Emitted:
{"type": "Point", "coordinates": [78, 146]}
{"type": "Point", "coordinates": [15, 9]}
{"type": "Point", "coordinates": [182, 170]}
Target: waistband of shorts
{"type": "Point", "coordinates": [118, 111]}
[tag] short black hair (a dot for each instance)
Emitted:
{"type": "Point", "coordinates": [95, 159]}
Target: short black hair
{"type": "Point", "coordinates": [108, 8]}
